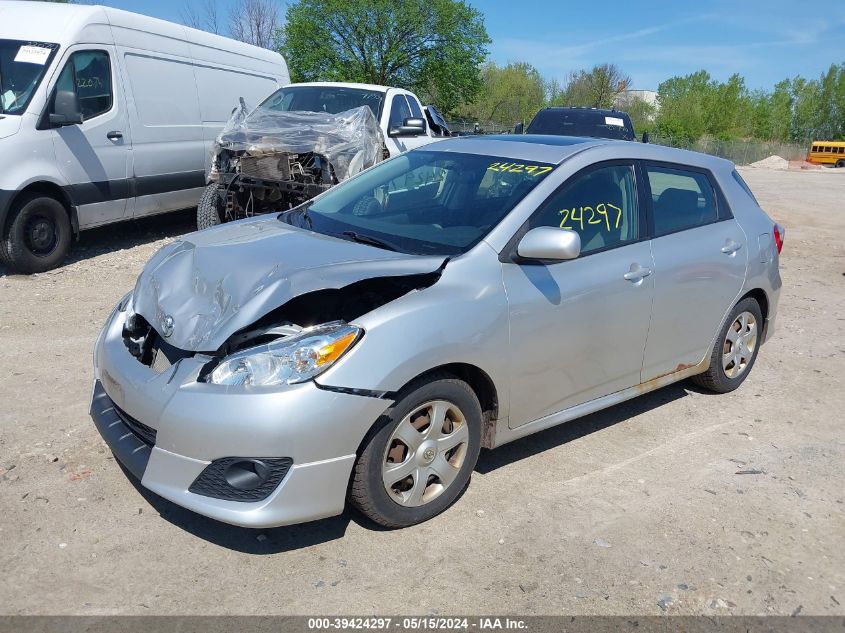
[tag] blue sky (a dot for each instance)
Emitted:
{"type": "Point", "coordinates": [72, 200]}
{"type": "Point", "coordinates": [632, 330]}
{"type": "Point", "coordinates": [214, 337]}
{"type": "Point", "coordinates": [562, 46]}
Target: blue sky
{"type": "Point", "coordinates": [765, 41]}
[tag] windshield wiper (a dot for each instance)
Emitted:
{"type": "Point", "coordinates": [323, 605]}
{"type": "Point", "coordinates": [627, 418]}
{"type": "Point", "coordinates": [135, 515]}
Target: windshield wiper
{"type": "Point", "coordinates": [370, 240]}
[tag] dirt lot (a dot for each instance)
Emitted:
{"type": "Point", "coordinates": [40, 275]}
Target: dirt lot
{"type": "Point", "coordinates": [642, 508]}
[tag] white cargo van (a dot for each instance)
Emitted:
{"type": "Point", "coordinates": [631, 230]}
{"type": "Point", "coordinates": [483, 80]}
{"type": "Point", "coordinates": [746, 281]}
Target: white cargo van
{"type": "Point", "coordinates": [106, 116]}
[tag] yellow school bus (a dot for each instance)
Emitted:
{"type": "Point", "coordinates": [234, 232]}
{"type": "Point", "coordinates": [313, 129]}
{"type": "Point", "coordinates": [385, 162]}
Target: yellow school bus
{"type": "Point", "coordinates": [827, 153]}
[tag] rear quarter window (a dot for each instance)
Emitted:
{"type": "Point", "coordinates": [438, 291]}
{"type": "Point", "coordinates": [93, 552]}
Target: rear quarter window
{"type": "Point", "coordinates": [744, 186]}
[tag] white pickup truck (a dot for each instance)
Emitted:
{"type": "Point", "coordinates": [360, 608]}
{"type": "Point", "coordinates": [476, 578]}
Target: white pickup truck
{"type": "Point", "coordinates": [305, 138]}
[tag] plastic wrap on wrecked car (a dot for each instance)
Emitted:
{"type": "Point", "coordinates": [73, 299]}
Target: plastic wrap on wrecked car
{"type": "Point", "coordinates": [351, 141]}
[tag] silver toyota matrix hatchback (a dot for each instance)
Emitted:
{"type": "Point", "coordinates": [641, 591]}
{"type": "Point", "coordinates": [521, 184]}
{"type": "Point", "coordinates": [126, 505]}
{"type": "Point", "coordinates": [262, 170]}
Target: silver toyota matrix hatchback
{"type": "Point", "coordinates": [366, 345]}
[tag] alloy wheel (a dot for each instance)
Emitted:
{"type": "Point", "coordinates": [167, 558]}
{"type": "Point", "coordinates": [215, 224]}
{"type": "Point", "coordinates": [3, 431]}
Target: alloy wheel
{"type": "Point", "coordinates": [739, 345]}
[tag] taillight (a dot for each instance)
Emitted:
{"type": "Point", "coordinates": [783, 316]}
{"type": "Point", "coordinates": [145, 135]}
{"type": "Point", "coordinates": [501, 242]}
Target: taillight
{"type": "Point", "coordinates": [779, 234]}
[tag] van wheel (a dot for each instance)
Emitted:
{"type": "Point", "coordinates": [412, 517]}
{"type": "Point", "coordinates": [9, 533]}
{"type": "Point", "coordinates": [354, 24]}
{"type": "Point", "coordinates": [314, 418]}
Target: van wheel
{"type": "Point", "coordinates": [417, 459]}
{"type": "Point", "coordinates": [38, 235]}
{"type": "Point", "coordinates": [208, 211]}
{"type": "Point", "coordinates": [735, 349]}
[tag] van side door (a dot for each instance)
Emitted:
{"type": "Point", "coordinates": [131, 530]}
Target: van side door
{"type": "Point", "coordinates": [94, 157]}
{"type": "Point", "coordinates": [700, 259]}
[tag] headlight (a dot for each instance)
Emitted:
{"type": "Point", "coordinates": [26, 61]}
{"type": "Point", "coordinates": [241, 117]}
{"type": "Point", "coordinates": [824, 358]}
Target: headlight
{"type": "Point", "coordinates": [287, 361]}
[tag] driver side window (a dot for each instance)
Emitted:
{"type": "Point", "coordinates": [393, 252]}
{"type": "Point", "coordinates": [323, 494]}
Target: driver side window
{"type": "Point", "coordinates": [89, 73]}
{"type": "Point", "coordinates": [399, 111]}
{"type": "Point", "coordinates": [599, 204]}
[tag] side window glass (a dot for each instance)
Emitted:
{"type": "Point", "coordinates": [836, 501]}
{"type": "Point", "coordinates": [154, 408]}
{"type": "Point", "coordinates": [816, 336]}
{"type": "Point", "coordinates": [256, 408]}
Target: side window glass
{"type": "Point", "coordinates": [415, 108]}
{"type": "Point", "coordinates": [399, 111]}
{"type": "Point", "coordinates": [680, 199]}
{"type": "Point", "coordinates": [90, 73]}
{"type": "Point", "coordinates": [600, 205]}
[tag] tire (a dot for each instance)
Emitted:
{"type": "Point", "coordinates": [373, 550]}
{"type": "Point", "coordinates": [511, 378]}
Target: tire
{"type": "Point", "coordinates": [37, 236]}
{"type": "Point", "coordinates": [730, 360]}
{"type": "Point", "coordinates": [208, 210]}
{"type": "Point", "coordinates": [840, 163]}
{"type": "Point", "coordinates": [452, 451]}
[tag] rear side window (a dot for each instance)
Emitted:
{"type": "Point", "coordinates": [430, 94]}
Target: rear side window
{"type": "Point", "coordinates": [599, 204]}
{"type": "Point", "coordinates": [89, 73]}
{"type": "Point", "coordinates": [745, 186]}
{"type": "Point", "coordinates": [681, 199]}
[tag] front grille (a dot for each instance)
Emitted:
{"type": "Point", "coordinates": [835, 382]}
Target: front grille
{"type": "Point", "coordinates": [139, 429]}
{"type": "Point", "coordinates": [212, 481]}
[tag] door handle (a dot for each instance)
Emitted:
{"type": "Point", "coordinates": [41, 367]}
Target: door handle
{"type": "Point", "coordinates": [637, 273]}
{"type": "Point", "coordinates": [114, 135]}
{"type": "Point", "coordinates": [731, 247]}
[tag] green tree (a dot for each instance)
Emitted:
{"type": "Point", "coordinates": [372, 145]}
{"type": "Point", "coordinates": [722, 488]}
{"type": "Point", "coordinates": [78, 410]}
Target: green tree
{"type": "Point", "coordinates": [434, 47]}
{"type": "Point", "coordinates": [510, 94]}
{"type": "Point", "coordinates": [594, 88]}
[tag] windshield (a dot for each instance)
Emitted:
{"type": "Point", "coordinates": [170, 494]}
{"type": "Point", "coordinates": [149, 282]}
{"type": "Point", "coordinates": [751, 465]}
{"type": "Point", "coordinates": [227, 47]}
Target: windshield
{"type": "Point", "coordinates": [614, 125]}
{"type": "Point", "coordinates": [331, 99]}
{"type": "Point", "coordinates": [423, 202]}
{"type": "Point", "coordinates": [22, 65]}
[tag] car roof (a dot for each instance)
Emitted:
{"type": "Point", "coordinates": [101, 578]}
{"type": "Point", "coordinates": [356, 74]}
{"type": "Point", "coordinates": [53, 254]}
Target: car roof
{"type": "Point", "coordinates": [556, 149]}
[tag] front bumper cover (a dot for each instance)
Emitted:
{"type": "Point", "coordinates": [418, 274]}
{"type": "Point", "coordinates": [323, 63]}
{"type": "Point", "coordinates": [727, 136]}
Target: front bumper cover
{"type": "Point", "coordinates": [196, 423]}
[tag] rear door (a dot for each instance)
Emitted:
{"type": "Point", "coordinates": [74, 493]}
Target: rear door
{"type": "Point", "coordinates": [95, 157]}
{"type": "Point", "coordinates": [700, 258]}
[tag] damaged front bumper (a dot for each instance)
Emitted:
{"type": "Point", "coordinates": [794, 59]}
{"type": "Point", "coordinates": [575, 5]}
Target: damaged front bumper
{"type": "Point", "coordinates": [173, 433]}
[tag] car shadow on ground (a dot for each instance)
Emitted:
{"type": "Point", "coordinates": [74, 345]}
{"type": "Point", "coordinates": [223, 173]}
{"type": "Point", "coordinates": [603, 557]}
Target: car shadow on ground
{"type": "Point", "coordinates": [490, 460]}
{"type": "Point", "coordinates": [283, 539]}
{"type": "Point", "coordinates": [125, 235]}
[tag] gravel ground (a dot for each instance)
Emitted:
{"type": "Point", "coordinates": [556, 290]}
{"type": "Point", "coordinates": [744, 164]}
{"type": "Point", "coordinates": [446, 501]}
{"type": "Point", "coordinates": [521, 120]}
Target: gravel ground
{"type": "Point", "coordinates": [642, 508]}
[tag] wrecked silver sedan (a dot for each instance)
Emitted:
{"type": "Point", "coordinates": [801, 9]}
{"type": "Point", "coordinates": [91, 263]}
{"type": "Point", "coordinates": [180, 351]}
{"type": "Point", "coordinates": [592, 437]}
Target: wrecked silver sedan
{"type": "Point", "coordinates": [366, 345]}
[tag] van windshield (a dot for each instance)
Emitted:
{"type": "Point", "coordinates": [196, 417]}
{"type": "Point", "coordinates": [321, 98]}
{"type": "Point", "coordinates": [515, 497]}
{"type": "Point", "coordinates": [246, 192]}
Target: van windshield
{"type": "Point", "coordinates": [330, 99]}
{"type": "Point", "coordinates": [22, 66]}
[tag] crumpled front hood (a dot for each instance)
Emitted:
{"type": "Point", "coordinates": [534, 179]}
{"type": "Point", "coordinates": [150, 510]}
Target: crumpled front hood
{"type": "Point", "coordinates": [216, 282]}
{"type": "Point", "coordinates": [9, 125]}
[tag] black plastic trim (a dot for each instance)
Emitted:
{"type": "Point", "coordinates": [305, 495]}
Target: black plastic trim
{"type": "Point", "coordinates": [108, 190]}
{"type": "Point", "coordinates": [211, 482]}
{"type": "Point", "coordinates": [367, 393]}
{"type": "Point", "coordinates": [127, 447]}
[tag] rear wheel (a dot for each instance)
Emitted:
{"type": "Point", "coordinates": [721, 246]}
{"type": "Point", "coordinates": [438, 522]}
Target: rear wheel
{"type": "Point", "coordinates": [37, 236]}
{"type": "Point", "coordinates": [209, 209]}
{"type": "Point", "coordinates": [735, 350]}
{"type": "Point", "coordinates": [419, 457]}
{"type": "Point", "coordinates": [840, 163]}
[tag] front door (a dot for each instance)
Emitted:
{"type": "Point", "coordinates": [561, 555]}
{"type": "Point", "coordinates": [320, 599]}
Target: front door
{"type": "Point", "coordinates": [401, 109]}
{"type": "Point", "coordinates": [700, 258]}
{"type": "Point", "coordinates": [578, 327]}
{"type": "Point", "coordinates": [94, 157]}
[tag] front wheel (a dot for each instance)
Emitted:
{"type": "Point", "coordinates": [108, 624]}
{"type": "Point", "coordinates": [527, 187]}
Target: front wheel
{"type": "Point", "coordinates": [38, 235]}
{"type": "Point", "coordinates": [209, 209]}
{"type": "Point", "coordinates": [418, 458]}
{"type": "Point", "coordinates": [735, 349]}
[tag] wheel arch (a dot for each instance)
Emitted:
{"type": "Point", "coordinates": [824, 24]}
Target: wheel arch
{"type": "Point", "coordinates": [47, 188]}
{"type": "Point", "coordinates": [762, 299]}
{"type": "Point", "coordinates": [480, 383]}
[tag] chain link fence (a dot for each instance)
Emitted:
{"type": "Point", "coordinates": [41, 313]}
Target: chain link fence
{"type": "Point", "coordinates": [737, 151]}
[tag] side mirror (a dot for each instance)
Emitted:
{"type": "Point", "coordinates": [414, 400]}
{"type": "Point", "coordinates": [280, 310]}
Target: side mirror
{"type": "Point", "coordinates": [645, 137]}
{"type": "Point", "coordinates": [546, 242]}
{"type": "Point", "coordinates": [66, 109]}
{"type": "Point", "coordinates": [519, 128]}
{"type": "Point", "coordinates": [412, 126]}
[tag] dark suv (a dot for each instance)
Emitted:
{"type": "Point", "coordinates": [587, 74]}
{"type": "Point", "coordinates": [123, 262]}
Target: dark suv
{"type": "Point", "coordinates": [583, 122]}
